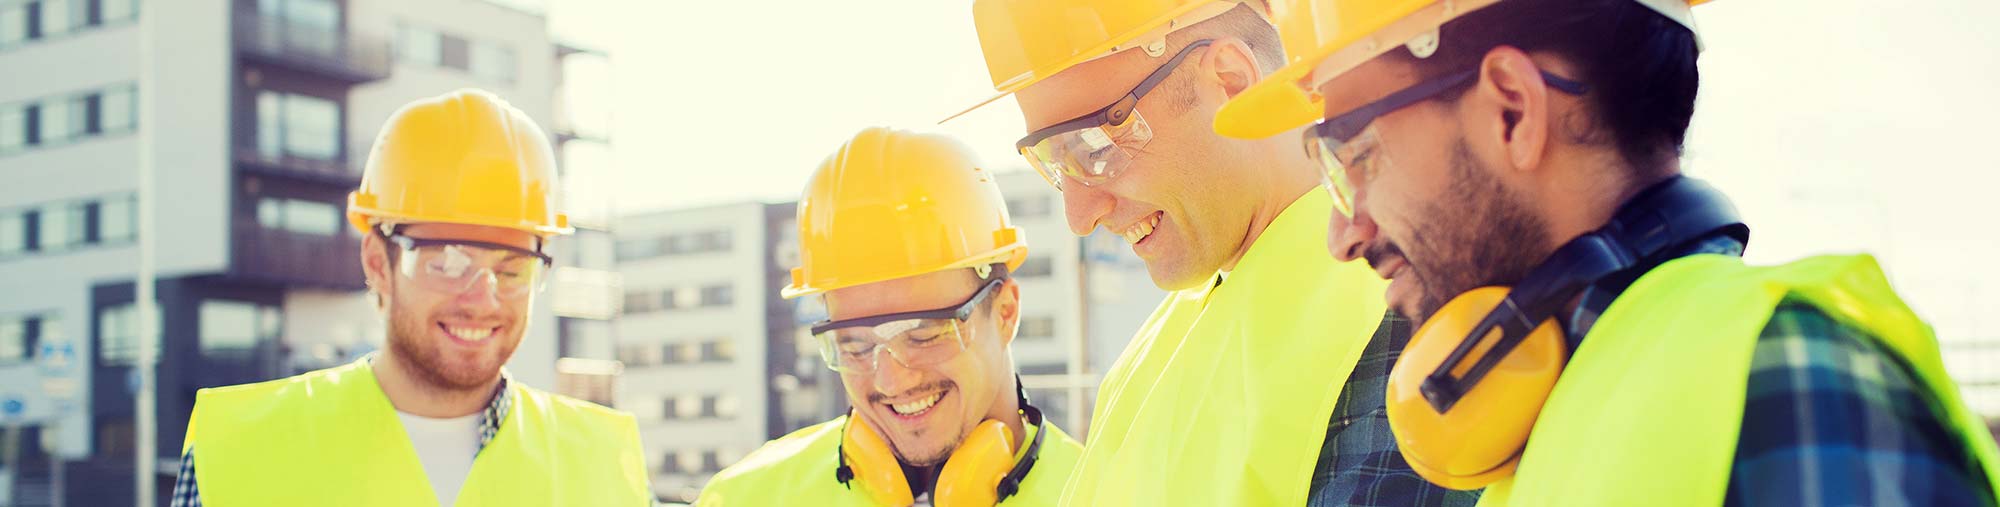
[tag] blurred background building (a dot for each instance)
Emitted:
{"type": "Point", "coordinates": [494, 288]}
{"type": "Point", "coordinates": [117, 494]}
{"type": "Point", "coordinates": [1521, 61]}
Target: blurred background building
{"type": "Point", "coordinates": [266, 110]}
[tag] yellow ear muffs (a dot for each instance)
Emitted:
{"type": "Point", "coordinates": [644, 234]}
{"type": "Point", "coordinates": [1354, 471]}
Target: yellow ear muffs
{"type": "Point", "coordinates": [867, 458]}
{"type": "Point", "coordinates": [1461, 429]}
{"type": "Point", "coordinates": [971, 477]}
{"type": "Point", "coordinates": [1465, 393]}
{"type": "Point", "coordinates": [980, 472]}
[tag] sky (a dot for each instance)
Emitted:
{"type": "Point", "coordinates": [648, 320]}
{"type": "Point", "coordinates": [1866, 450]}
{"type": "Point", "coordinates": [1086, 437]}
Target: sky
{"type": "Point", "coordinates": [1838, 126]}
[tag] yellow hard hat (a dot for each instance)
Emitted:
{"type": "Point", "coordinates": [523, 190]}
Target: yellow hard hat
{"type": "Point", "coordinates": [1325, 38]}
{"type": "Point", "coordinates": [892, 204]}
{"type": "Point", "coordinates": [1026, 41]}
{"type": "Point", "coordinates": [465, 157]}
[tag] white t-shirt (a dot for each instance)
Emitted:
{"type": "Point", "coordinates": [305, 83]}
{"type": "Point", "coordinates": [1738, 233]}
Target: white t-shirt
{"type": "Point", "coordinates": [446, 448]}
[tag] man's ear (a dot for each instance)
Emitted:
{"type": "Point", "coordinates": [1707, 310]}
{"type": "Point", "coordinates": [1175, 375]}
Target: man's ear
{"type": "Point", "coordinates": [1007, 310]}
{"type": "Point", "coordinates": [1512, 94]}
{"type": "Point", "coordinates": [375, 267]}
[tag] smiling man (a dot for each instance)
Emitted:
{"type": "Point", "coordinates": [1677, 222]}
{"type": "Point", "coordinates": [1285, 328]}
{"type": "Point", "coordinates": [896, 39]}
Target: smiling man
{"type": "Point", "coordinates": [907, 239]}
{"type": "Point", "coordinates": [1258, 380]}
{"type": "Point", "coordinates": [455, 210]}
{"type": "Point", "coordinates": [1589, 332]}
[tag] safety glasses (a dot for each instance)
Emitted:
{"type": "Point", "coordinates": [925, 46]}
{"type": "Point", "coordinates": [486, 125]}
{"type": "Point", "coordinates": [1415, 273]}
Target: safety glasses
{"type": "Point", "coordinates": [1094, 148]}
{"type": "Point", "coordinates": [1347, 142]}
{"type": "Point", "coordinates": [454, 266]}
{"type": "Point", "coordinates": [913, 339]}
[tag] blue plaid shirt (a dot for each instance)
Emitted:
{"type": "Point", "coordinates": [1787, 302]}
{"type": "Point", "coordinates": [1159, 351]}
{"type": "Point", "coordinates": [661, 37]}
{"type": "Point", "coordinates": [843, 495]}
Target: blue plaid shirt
{"type": "Point", "coordinates": [188, 494]}
{"type": "Point", "coordinates": [1359, 465]}
{"type": "Point", "coordinates": [1833, 418]}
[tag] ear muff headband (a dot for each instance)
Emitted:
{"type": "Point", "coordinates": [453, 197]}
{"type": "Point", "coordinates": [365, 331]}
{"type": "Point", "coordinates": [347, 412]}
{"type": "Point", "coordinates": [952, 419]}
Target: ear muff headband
{"type": "Point", "coordinates": [1456, 433]}
{"type": "Point", "coordinates": [980, 472]}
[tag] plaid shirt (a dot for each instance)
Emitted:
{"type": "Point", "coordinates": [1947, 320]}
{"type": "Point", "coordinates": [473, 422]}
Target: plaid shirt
{"type": "Point", "coordinates": [1833, 418]}
{"type": "Point", "coordinates": [1360, 465]}
{"type": "Point", "coordinates": [187, 494]}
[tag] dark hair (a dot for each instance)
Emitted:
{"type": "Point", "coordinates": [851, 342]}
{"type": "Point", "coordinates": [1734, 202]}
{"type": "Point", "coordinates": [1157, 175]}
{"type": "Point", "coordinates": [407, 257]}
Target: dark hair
{"type": "Point", "coordinates": [1639, 65]}
{"type": "Point", "coordinates": [1243, 23]}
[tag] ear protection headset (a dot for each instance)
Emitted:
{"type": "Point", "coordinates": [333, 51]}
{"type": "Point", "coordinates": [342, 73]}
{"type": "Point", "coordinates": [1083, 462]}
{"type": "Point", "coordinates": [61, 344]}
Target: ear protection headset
{"type": "Point", "coordinates": [1465, 393]}
{"type": "Point", "coordinates": [981, 472]}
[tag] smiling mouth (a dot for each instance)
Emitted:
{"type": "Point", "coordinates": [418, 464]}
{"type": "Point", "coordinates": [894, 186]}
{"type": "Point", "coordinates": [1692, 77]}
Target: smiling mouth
{"type": "Point", "coordinates": [473, 334]}
{"type": "Point", "coordinates": [1143, 229]}
{"type": "Point", "coordinates": [917, 407]}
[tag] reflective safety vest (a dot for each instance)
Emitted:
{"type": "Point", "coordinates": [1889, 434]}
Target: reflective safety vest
{"type": "Point", "coordinates": [1648, 410]}
{"type": "Point", "coordinates": [331, 437]}
{"type": "Point", "coordinates": [797, 469]}
{"type": "Point", "coordinates": [1224, 395]}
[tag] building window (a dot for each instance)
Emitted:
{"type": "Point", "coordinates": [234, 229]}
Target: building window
{"type": "Point", "coordinates": [57, 16]}
{"type": "Point", "coordinates": [718, 295]}
{"type": "Point", "coordinates": [711, 241]}
{"type": "Point", "coordinates": [59, 120]}
{"type": "Point", "coordinates": [233, 328]}
{"type": "Point", "coordinates": [452, 52]}
{"type": "Point", "coordinates": [718, 351]}
{"type": "Point", "coordinates": [298, 215]}
{"type": "Point", "coordinates": [117, 10]}
{"type": "Point", "coordinates": [711, 462]}
{"type": "Point", "coordinates": [117, 110]}
{"type": "Point", "coordinates": [1038, 327]}
{"type": "Point", "coordinates": [671, 354]}
{"type": "Point", "coordinates": [294, 125]}
{"type": "Point", "coordinates": [670, 463]}
{"type": "Point", "coordinates": [639, 248]}
{"type": "Point", "coordinates": [60, 226]}
{"type": "Point", "coordinates": [669, 298]}
{"type": "Point", "coordinates": [19, 333]}
{"type": "Point", "coordinates": [640, 354]}
{"type": "Point", "coordinates": [115, 218]}
{"type": "Point", "coordinates": [55, 122]}
{"type": "Point", "coordinates": [13, 24]}
{"type": "Point", "coordinates": [640, 302]}
{"type": "Point", "coordinates": [492, 61]}
{"type": "Point", "coordinates": [306, 25]}
{"type": "Point", "coordinates": [417, 45]}
{"type": "Point", "coordinates": [13, 233]}
{"type": "Point", "coordinates": [687, 406]}
{"type": "Point", "coordinates": [690, 462]}
{"type": "Point", "coordinates": [118, 334]}
{"type": "Point", "coordinates": [686, 352]}
{"type": "Point", "coordinates": [709, 408]}
{"type": "Point", "coordinates": [13, 128]}
{"type": "Point", "coordinates": [1037, 266]}
{"type": "Point", "coordinates": [726, 406]}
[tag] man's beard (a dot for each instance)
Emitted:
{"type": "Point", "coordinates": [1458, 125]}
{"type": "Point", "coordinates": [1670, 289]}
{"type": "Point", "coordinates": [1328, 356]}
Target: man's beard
{"type": "Point", "coordinates": [1481, 234]}
{"type": "Point", "coordinates": [409, 339]}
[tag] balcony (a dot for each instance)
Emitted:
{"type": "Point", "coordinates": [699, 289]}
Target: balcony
{"type": "Point", "coordinates": [340, 171]}
{"type": "Point", "coordinates": [296, 258]}
{"type": "Point", "coordinates": [333, 54]}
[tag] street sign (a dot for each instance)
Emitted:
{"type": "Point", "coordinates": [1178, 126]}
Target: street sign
{"type": "Point", "coordinates": [56, 362]}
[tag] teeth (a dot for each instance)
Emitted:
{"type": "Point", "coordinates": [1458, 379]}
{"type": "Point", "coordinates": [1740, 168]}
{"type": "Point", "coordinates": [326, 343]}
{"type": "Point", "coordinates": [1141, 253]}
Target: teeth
{"type": "Point", "coordinates": [918, 406]}
{"type": "Point", "coordinates": [1139, 231]}
{"type": "Point", "coordinates": [470, 333]}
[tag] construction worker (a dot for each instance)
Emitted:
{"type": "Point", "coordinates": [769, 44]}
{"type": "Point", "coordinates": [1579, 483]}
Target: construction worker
{"type": "Point", "coordinates": [455, 213]}
{"type": "Point", "coordinates": [907, 240]}
{"type": "Point", "coordinates": [1258, 380]}
{"type": "Point", "coordinates": [1589, 334]}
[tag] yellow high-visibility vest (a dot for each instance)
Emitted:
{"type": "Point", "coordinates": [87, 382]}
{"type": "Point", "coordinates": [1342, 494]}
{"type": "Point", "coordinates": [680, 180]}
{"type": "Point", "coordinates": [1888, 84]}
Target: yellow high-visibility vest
{"type": "Point", "coordinates": [1224, 396]}
{"type": "Point", "coordinates": [1648, 410]}
{"type": "Point", "coordinates": [331, 438]}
